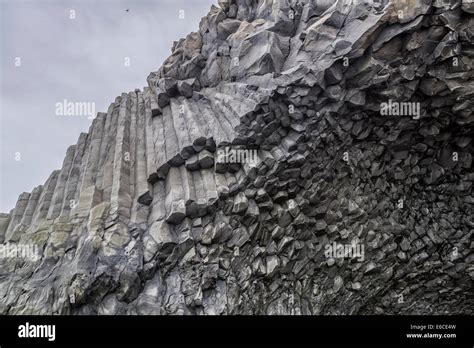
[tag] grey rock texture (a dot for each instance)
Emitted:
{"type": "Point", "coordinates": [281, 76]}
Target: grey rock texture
{"type": "Point", "coordinates": [143, 218]}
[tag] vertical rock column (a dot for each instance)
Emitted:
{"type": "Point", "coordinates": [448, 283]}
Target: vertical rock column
{"type": "Point", "coordinates": [12, 234]}
{"type": "Point", "coordinates": [189, 192]}
{"type": "Point", "coordinates": [73, 179]}
{"type": "Point", "coordinates": [83, 164]}
{"type": "Point", "coordinates": [108, 164]}
{"type": "Point", "coordinates": [224, 116]}
{"type": "Point", "coordinates": [173, 155]}
{"type": "Point", "coordinates": [142, 191]}
{"type": "Point", "coordinates": [182, 133]}
{"type": "Point", "coordinates": [200, 192]}
{"type": "Point", "coordinates": [58, 196]}
{"type": "Point", "coordinates": [150, 141]}
{"type": "Point", "coordinates": [4, 222]}
{"type": "Point", "coordinates": [221, 131]}
{"type": "Point", "coordinates": [198, 128]}
{"type": "Point", "coordinates": [157, 207]}
{"type": "Point", "coordinates": [87, 194]}
{"type": "Point", "coordinates": [175, 200]}
{"type": "Point", "coordinates": [209, 186]}
{"type": "Point", "coordinates": [45, 199]}
{"type": "Point", "coordinates": [160, 146]}
{"type": "Point", "coordinates": [120, 198]}
{"type": "Point", "coordinates": [92, 155]}
{"type": "Point", "coordinates": [104, 147]}
{"type": "Point", "coordinates": [32, 204]}
{"type": "Point", "coordinates": [132, 96]}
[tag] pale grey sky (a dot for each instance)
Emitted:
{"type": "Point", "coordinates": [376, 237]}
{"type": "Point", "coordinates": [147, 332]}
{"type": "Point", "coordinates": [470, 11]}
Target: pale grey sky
{"type": "Point", "coordinates": [81, 60]}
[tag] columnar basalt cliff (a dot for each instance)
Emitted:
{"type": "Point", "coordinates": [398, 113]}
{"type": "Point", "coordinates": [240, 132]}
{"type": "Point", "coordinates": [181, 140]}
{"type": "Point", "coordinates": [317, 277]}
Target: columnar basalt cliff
{"type": "Point", "coordinates": [360, 113]}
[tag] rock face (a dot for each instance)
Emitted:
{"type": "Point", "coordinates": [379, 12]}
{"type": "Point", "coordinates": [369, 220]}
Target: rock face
{"type": "Point", "coordinates": [360, 115]}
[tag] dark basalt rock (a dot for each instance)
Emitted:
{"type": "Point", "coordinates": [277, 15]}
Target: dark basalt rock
{"type": "Point", "coordinates": [359, 198]}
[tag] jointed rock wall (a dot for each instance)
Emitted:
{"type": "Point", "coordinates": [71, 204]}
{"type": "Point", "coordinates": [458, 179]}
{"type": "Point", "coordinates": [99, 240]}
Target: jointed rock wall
{"type": "Point", "coordinates": [143, 219]}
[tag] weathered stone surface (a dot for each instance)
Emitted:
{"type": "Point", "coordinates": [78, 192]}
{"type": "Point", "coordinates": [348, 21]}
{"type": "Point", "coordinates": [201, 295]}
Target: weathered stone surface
{"type": "Point", "coordinates": [13, 234]}
{"type": "Point", "coordinates": [347, 175]}
{"type": "Point", "coordinates": [4, 222]}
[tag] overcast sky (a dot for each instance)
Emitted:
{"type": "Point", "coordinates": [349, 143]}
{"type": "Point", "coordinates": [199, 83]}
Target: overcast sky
{"type": "Point", "coordinates": [74, 50]}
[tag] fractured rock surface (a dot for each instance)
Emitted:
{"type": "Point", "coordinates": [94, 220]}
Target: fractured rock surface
{"type": "Point", "coordinates": [360, 114]}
